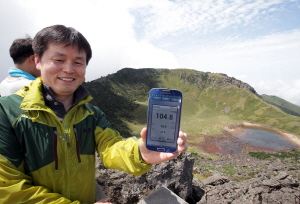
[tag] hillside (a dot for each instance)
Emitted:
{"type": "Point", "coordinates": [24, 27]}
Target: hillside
{"type": "Point", "coordinates": [211, 101]}
{"type": "Point", "coordinates": [282, 104]}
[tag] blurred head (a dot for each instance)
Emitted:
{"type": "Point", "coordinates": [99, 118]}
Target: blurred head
{"type": "Point", "coordinates": [21, 49]}
{"type": "Point", "coordinates": [60, 34]}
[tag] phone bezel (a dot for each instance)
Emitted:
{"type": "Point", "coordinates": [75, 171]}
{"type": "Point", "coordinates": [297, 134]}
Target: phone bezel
{"type": "Point", "coordinates": [162, 91]}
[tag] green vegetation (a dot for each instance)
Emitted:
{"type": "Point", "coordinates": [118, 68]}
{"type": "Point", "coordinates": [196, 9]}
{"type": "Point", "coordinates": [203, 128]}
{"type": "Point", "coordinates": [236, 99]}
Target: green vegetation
{"type": "Point", "coordinates": [211, 101]}
{"type": "Point", "coordinates": [249, 175]}
{"type": "Point", "coordinates": [241, 178]}
{"type": "Point", "coordinates": [229, 169]}
{"type": "Point", "coordinates": [197, 155]}
{"type": "Point", "coordinates": [203, 175]}
{"type": "Point", "coordinates": [110, 103]}
{"type": "Point", "coordinates": [282, 104]}
{"type": "Point", "coordinates": [291, 156]}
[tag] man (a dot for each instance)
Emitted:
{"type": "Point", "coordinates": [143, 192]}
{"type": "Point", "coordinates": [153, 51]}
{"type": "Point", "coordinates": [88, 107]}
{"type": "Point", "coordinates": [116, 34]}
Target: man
{"type": "Point", "coordinates": [49, 131]}
{"type": "Point", "coordinates": [24, 70]}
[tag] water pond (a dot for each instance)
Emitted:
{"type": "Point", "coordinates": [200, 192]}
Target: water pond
{"type": "Point", "coordinates": [263, 138]}
{"type": "Point", "coordinates": [248, 138]}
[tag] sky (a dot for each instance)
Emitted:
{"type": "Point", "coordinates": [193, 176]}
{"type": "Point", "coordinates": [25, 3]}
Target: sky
{"type": "Point", "coordinates": [255, 41]}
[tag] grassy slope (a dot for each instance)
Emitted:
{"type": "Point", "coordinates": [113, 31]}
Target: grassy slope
{"type": "Point", "coordinates": [207, 106]}
{"type": "Point", "coordinates": [203, 109]}
{"type": "Point", "coordinates": [282, 104]}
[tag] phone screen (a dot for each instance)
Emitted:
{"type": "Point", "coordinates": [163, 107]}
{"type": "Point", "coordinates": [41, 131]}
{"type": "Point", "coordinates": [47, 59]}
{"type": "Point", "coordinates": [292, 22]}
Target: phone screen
{"type": "Point", "coordinates": [163, 119]}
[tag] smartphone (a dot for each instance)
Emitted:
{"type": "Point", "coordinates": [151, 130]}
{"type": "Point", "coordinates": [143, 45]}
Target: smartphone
{"type": "Point", "coordinates": [163, 120]}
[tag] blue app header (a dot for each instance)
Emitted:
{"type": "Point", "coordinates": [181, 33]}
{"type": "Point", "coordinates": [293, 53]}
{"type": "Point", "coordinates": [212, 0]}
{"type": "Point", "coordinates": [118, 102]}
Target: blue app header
{"type": "Point", "coordinates": [160, 97]}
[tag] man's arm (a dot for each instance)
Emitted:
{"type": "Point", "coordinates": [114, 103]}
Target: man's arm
{"type": "Point", "coordinates": [129, 155]}
{"type": "Point", "coordinates": [120, 154]}
{"type": "Point", "coordinates": [114, 151]}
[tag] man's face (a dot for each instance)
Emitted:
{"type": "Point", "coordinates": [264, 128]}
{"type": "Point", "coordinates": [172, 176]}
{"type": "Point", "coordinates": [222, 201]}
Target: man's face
{"type": "Point", "coordinates": [62, 68]}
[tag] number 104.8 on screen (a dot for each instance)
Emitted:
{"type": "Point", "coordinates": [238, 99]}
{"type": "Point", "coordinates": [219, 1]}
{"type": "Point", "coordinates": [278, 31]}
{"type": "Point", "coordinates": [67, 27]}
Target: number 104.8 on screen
{"type": "Point", "coordinates": [163, 123]}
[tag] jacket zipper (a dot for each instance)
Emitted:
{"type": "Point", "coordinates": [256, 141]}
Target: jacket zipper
{"type": "Point", "coordinates": [77, 145]}
{"type": "Point", "coordinates": [55, 148]}
{"type": "Point", "coordinates": [67, 140]}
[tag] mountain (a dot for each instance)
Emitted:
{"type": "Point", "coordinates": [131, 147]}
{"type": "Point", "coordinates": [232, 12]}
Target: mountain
{"type": "Point", "coordinates": [211, 101]}
{"type": "Point", "coordinates": [282, 104]}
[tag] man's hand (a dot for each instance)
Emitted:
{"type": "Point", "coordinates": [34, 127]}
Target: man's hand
{"type": "Point", "coordinates": [153, 157]}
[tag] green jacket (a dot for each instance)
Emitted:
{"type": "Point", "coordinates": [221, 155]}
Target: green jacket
{"type": "Point", "coordinates": [43, 160]}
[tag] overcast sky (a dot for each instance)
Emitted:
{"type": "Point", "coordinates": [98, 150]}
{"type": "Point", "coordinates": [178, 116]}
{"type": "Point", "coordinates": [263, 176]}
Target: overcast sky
{"type": "Point", "coordinates": [256, 41]}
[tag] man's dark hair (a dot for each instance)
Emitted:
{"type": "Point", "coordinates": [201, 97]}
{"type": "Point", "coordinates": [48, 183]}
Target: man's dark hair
{"type": "Point", "coordinates": [21, 49]}
{"type": "Point", "coordinates": [60, 34]}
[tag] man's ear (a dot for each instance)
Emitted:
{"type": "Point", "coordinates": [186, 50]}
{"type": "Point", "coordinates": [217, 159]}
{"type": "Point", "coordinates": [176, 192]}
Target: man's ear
{"type": "Point", "coordinates": [32, 59]}
{"type": "Point", "coordinates": [37, 62]}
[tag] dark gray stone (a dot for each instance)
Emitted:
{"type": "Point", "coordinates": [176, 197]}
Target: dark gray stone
{"type": "Point", "coordinates": [176, 175]}
{"type": "Point", "coordinates": [162, 196]}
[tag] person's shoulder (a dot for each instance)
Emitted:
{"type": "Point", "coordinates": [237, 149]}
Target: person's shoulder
{"type": "Point", "coordinates": [11, 100]}
{"type": "Point", "coordinates": [11, 79]}
{"type": "Point", "coordinates": [10, 107]}
{"type": "Point", "coordinates": [11, 86]}
{"type": "Point", "coordinates": [94, 110]}
{"type": "Point", "coordinates": [10, 97]}
{"type": "Point", "coordinates": [21, 81]}
{"type": "Point", "coordinates": [92, 107]}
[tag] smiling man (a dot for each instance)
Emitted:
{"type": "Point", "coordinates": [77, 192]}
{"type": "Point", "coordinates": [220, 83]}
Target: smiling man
{"type": "Point", "coordinates": [46, 153]}
{"type": "Point", "coordinates": [63, 69]}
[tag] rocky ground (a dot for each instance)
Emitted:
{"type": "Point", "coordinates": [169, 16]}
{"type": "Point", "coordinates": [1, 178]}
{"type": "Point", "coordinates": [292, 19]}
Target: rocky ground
{"type": "Point", "coordinates": [213, 177]}
{"type": "Point", "coordinates": [236, 178]}
{"type": "Point", "coordinates": [240, 178]}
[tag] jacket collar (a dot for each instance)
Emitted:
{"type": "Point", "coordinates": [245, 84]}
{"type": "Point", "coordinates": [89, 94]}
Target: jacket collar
{"type": "Point", "coordinates": [33, 96]}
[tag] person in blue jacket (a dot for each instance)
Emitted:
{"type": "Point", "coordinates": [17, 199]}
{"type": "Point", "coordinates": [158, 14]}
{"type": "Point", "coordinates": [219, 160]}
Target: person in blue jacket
{"type": "Point", "coordinates": [24, 70]}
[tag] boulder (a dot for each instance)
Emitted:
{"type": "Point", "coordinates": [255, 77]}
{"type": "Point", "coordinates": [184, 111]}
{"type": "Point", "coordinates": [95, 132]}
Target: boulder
{"type": "Point", "coordinates": [281, 188]}
{"type": "Point", "coordinates": [163, 196]}
{"type": "Point", "coordinates": [176, 175]}
{"type": "Point", "coordinates": [267, 185]}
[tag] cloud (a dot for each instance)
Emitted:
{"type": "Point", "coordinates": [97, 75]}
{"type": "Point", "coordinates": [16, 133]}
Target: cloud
{"type": "Point", "coordinates": [288, 91]}
{"type": "Point", "coordinates": [161, 18]}
{"type": "Point", "coordinates": [256, 41]}
{"type": "Point", "coordinates": [241, 77]}
{"type": "Point", "coordinates": [129, 53]}
{"type": "Point", "coordinates": [144, 54]}
{"type": "Point", "coordinates": [258, 62]}
{"type": "Point", "coordinates": [108, 26]}
{"type": "Point", "coordinates": [276, 54]}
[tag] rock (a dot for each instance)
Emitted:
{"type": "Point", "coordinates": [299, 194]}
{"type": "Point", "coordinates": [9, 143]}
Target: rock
{"type": "Point", "coordinates": [279, 189]}
{"type": "Point", "coordinates": [267, 181]}
{"type": "Point", "coordinates": [215, 180]}
{"type": "Point", "coordinates": [271, 183]}
{"type": "Point", "coordinates": [281, 176]}
{"type": "Point", "coordinates": [226, 110]}
{"type": "Point", "coordinates": [198, 169]}
{"type": "Point", "coordinates": [176, 175]}
{"type": "Point", "coordinates": [163, 196]}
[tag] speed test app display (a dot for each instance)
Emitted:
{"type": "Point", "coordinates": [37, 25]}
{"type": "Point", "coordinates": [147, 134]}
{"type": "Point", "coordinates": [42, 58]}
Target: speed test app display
{"type": "Point", "coordinates": [163, 123]}
{"type": "Point", "coordinates": [164, 119]}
